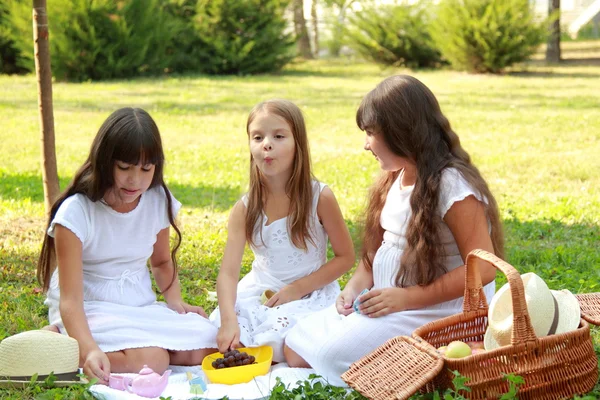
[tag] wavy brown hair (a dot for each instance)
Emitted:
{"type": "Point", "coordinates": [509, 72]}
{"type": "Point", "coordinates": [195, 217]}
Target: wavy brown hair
{"type": "Point", "coordinates": [407, 115]}
{"type": "Point", "coordinates": [129, 135]}
{"type": "Point", "coordinates": [299, 188]}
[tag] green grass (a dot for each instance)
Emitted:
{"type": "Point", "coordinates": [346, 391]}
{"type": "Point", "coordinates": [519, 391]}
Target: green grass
{"type": "Point", "coordinates": [533, 132]}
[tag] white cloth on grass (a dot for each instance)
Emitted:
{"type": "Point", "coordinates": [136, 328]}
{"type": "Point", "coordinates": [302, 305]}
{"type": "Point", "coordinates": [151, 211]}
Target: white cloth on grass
{"type": "Point", "coordinates": [278, 263]}
{"type": "Point", "coordinates": [330, 342]}
{"type": "Point", "coordinates": [179, 388]}
{"type": "Point", "coordinates": [120, 305]}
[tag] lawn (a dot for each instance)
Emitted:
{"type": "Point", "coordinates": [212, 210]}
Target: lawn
{"type": "Point", "coordinates": [534, 132]}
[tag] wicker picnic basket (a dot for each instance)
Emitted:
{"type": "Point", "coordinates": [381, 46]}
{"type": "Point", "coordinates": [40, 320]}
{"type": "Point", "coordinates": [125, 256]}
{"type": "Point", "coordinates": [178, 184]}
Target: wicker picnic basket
{"type": "Point", "coordinates": [554, 367]}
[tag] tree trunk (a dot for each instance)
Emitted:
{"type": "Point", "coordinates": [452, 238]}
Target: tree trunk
{"type": "Point", "coordinates": [302, 38]}
{"type": "Point", "coordinates": [41, 48]}
{"type": "Point", "coordinates": [553, 47]}
{"type": "Point", "coordinates": [315, 22]}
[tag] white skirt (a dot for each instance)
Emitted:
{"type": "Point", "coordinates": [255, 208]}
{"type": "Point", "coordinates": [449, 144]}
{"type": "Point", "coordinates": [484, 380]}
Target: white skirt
{"type": "Point", "coordinates": [331, 342]}
{"type": "Point", "coordinates": [261, 325]}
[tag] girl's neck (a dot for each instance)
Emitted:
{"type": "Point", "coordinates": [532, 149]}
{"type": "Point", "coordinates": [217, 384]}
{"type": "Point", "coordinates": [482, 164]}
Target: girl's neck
{"type": "Point", "coordinates": [276, 186]}
{"type": "Point", "coordinates": [114, 202]}
{"type": "Point", "coordinates": [408, 177]}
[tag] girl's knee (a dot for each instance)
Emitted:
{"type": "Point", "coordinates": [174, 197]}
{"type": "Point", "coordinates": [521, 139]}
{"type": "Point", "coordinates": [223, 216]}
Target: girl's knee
{"type": "Point", "coordinates": [190, 357]}
{"type": "Point", "coordinates": [293, 359]}
{"type": "Point", "coordinates": [154, 357]}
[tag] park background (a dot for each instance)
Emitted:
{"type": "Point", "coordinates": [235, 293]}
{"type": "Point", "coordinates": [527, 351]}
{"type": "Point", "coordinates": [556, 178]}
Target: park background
{"type": "Point", "coordinates": [531, 123]}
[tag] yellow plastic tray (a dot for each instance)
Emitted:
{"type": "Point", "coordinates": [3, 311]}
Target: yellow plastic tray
{"type": "Point", "coordinates": [230, 376]}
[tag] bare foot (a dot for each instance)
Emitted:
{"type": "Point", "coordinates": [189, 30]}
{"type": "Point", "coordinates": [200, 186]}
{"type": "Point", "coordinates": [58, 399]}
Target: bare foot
{"type": "Point", "coordinates": [51, 328]}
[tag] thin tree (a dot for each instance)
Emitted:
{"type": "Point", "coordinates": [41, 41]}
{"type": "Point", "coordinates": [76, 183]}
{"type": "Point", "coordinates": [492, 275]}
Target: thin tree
{"type": "Point", "coordinates": [41, 48]}
{"type": "Point", "coordinates": [340, 9]}
{"type": "Point", "coordinates": [315, 23]}
{"type": "Point", "coordinates": [302, 39]}
{"type": "Point", "coordinates": [553, 47]}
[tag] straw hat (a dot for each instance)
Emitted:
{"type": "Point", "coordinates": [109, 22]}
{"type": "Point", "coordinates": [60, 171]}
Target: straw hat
{"type": "Point", "coordinates": [38, 352]}
{"type": "Point", "coordinates": [550, 311]}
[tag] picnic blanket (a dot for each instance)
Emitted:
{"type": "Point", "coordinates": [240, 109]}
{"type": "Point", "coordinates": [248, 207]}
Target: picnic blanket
{"type": "Point", "coordinates": [179, 387]}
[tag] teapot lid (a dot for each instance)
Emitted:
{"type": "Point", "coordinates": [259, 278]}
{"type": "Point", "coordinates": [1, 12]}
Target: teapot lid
{"type": "Point", "coordinates": [146, 370]}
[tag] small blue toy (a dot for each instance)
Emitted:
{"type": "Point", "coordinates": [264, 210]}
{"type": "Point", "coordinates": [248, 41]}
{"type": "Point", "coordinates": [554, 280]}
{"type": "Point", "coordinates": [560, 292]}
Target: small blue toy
{"type": "Point", "coordinates": [197, 385]}
{"type": "Point", "coordinates": [356, 302]}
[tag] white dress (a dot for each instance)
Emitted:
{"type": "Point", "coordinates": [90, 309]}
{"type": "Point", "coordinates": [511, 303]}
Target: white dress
{"type": "Point", "coordinates": [278, 263]}
{"type": "Point", "coordinates": [330, 342]}
{"type": "Point", "coordinates": [119, 302]}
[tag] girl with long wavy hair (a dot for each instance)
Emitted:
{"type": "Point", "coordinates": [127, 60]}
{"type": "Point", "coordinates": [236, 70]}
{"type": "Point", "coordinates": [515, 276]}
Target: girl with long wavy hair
{"type": "Point", "coordinates": [286, 219]}
{"type": "Point", "coordinates": [112, 219]}
{"type": "Point", "coordinates": [429, 208]}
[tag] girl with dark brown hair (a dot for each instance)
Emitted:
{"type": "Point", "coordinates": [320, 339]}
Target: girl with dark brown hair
{"type": "Point", "coordinates": [112, 219]}
{"type": "Point", "coordinates": [429, 208]}
{"type": "Point", "coordinates": [286, 218]}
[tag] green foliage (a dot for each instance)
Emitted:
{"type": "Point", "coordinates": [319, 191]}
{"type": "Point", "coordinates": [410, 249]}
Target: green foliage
{"type": "Point", "coordinates": [10, 56]}
{"type": "Point", "coordinates": [460, 389]}
{"type": "Point", "coordinates": [486, 35]}
{"type": "Point", "coordinates": [102, 39]}
{"type": "Point", "coordinates": [393, 35]}
{"type": "Point", "coordinates": [313, 389]}
{"type": "Point", "coordinates": [47, 390]}
{"type": "Point", "coordinates": [240, 36]}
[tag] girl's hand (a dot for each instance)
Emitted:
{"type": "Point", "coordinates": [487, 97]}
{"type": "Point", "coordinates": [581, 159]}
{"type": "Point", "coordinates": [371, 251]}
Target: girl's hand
{"type": "Point", "coordinates": [343, 304]}
{"type": "Point", "coordinates": [228, 337]}
{"type": "Point", "coordinates": [97, 365]}
{"type": "Point", "coordinates": [287, 294]}
{"type": "Point", "coordinates": [380, 302]}
{"type": "Point", "coordinates": [182, 308]}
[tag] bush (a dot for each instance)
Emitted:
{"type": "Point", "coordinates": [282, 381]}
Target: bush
{"type": "Point", "coordinates": [393, 35]}
{"type": "Point", "coordinates": [101, 39]}
{"type": "Point", "coordinates": [240, 36]}
{"type": "Point", "coordinates": [487, 35]}
{"type": "Point", "coordinates": [10, 57]}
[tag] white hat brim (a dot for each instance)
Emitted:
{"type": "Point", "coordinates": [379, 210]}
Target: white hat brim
{"type": "Point", "coordinates": [569, 311]}
{"type": "Point", "coordinates": [569, 317]}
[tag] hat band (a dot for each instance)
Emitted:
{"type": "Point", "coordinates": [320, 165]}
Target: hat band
{"type": "Point", "coordinates": [554, 325]}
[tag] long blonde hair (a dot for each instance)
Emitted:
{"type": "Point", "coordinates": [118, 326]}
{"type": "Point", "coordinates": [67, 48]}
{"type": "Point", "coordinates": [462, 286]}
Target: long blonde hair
{"type": "Point", "coordinates": [407, 115]}
{"type": "Point", "coordinates": [298, 188]}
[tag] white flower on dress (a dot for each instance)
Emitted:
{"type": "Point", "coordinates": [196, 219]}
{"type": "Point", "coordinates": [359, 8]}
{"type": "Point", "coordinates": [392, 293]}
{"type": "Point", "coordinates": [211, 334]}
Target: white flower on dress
{"type": "Point", "coordinates": [295, 258]}
{"type": "Point", "coordinates": [279, 236]}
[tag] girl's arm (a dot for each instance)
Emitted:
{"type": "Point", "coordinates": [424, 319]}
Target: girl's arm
{"type": "Point", "coordinates": [331, 217]}
{"type": "Point", "coordinates": [468, 224]}
{"type": "Point", "coordinates": [70, 270]}
{"type": "Point", "coordinates": [229, 273]}
{"type": "Point", "coordinates": [162, 269]}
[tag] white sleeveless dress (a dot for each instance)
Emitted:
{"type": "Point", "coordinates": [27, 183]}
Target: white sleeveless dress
{"type": "Point", "coordinates": [330, 342]}
{"type": "Point", "coordinates": [118, 299]}
{"type": "Point", "coordinates": [278, 263]}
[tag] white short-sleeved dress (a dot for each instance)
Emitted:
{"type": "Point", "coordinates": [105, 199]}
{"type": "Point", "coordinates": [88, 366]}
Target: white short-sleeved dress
{"type": "Point", "coordinates": [120, 305]}
{"type": "Point", "coordinates": [278, 263]}
{"type": "Point", "coordinates": [330, 342]}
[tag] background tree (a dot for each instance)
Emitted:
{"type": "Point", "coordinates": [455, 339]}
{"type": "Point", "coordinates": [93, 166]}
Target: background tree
{"type": "Point", "coordinates": [41, 48]}
{"type": "Point", "coordinates": [340, 10]}
{"type": "Point", "coordinates": [553, 47]}
{"type": "Point", "coordinates": [315, 23]}
{"type": "Point", "coordinates": [302, 39]}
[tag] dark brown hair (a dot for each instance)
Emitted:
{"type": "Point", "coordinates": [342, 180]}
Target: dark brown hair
{"type": "Point", "coordinates": [129, 135]}
{"type": "Point", "coordinates": [407, 115]}
{"type": "Point", "coordinates": [298, 188]}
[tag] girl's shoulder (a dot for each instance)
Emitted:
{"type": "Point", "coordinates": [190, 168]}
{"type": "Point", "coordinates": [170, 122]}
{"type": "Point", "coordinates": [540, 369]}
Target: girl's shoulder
{"type": "Point", "coordinates": [455, 187]}
{"type": "Point", "coordinates": [76, 201]}
{"type": "Point", "coordinates": [73, 214]}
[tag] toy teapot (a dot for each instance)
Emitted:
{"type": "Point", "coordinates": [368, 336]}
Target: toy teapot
{"type": "Point", "coordinates": [146, 384]}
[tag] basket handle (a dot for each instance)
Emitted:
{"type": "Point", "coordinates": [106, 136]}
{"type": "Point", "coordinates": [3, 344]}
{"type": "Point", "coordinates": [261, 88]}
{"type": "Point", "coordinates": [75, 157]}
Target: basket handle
{"type": "Point", "coordinates": [474, 298]}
